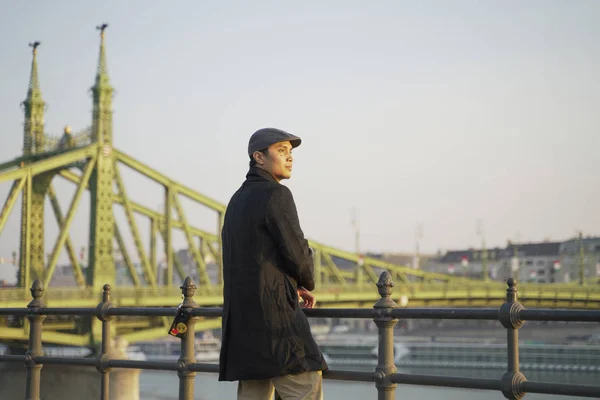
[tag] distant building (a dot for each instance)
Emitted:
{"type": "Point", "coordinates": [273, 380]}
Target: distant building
{"type": "Point", "coordinates": [576, 254]}
{"type": "Point", "coordinates": [536, 262]}
{"type": "Point", "coordinates": [63, 276]}
{"type": "Point", "coordinates": [543, 262]}
{"type": "Point", "coordinates": [466, 263]}
{"type": "Point", "coordinates": [408, 259]}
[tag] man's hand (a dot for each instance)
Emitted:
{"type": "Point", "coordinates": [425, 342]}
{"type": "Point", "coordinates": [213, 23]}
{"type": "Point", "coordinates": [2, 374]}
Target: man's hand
{"type": "Point", "coordinates": [309, 299]}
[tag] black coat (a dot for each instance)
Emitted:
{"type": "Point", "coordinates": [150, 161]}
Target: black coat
{"type": "Point", "coordinates": [265, 258]}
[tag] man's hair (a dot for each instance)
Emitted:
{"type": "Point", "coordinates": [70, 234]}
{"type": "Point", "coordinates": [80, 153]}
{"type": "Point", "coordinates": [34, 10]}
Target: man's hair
{"type": "Point", "coordinates": [253, 161]}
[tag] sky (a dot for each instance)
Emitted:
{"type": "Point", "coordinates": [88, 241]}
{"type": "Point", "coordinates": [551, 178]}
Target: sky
{"type": "Point", "coordinates": [435, 114]}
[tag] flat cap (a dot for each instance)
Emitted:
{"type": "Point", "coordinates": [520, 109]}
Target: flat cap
{"type": "Point", "coordinates": [263, 138]}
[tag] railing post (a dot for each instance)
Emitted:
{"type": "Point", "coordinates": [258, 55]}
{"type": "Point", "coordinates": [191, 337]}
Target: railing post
{"type": "Point", "coordinates": [509, 317]}
{"type": "Point", "coordinates": [103, 358]}
{"type": "Point", "coordinates": [359, 276]}
{"type": "Point", "coordinates": [385, 365]}
{"type": "Point", "coordinates": [188, 343]}
{"type": "Point", "coordinates": [32, 390]}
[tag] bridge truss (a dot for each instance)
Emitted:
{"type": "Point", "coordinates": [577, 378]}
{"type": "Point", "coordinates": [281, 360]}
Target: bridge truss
{"type": "Point", "coordinates": [89, 160]}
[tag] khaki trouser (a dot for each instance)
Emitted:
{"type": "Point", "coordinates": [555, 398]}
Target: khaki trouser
{"type": "Point", "coordinates": [302, 386]}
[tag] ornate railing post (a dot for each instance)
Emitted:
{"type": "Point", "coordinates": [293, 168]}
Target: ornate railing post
{"type": "Point", "coordinates": [509, 317]}
{"type": "Point", "coordinates": [32, 390]}
{"type": "Point", "coordinates": [104, 356]}
{"type": "Point", "coordinates": [188, 343]}
{"type": "Point", "coordinates": [385, 365]}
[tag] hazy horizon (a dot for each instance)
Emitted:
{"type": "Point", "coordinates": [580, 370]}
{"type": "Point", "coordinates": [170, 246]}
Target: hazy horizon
{"type": "Point", "coordinates": [431, 113]}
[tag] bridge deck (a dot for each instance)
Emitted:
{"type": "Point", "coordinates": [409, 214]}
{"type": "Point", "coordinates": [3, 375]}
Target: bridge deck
{"type": "Point", "coordinates": [413, 295]}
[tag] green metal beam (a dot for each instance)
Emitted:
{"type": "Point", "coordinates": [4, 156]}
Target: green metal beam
{"type": "Point", "coordinates": [153, 261]}
{"type": "Point", "coordinates": [28, 159]}
{"type": "Point", "coordinates": [51, 163]}
{"type": "Point", "coordinates": [197, 256]}
{"type": "Point", "coordinates": [148, 275]}
{"type": "Point", "coordinates": [7, 334]}
{"type": "Point", "coordinates": [167, 234]}
{"type": "Point", "coordinates": [13, 175]}
{"type": "Point", "coordinates": [121, 243]}
{"type": "Point", "coordinates": [162, 221]}
{"type": "Point", "coordinates": [373, 262]}
{"type": "Point", "coordinates": [48, 337]}
{"type": "Point", "coordinates": [401, 278]}
{"type": "Point", "coordinates": [144, 334]}
{"type": "Point", "coordinates": [359, 276]}
{"type": "Point", "coordinates": [25, 261]}
{"type": "Point", "coordinates": [11, 199]}
{"type": "Point", "coordinates": [326, 275]}
{"type": "Point", "coordinates": [208, 324]}
{"type": "Point", "coordinates": [213, 252]}
{"type": "Point", "coordinates": [165, 181]}
{"type": "Point", "coordinates": [219, 256]}
{"type": "Point", "coordinates": [563, 296]}
{"type": "Point", "coordinates": [178, 265]}
{"type": "Point", "coordinates": [40, 186]}
{"type": "Point", "coordinates": [160, 332]}
{"type": "Point", "coordinates": [11, 164]}
{"type": "Point", "coordinates": [64, 229]}
{"type": "Point", "coordinates": [60, 326]}
{"type": "Point", "coordinates": [174, 257]}
{"type": "Point", "coordinates": [70, 249]}
{"type": "Point", "coordinates": [317, 262]}
{"type": "Point", "coordinates": [160, 218]}
{"type": "Point", "coordinates": [369, 270]}
{"type": "Point", "coordinates": [136, 207]}
{"type": "Point", "coordinates": [334, 269]}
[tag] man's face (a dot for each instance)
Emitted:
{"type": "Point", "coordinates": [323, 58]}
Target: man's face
{"type": "Point", "coordinates": [278, 160]}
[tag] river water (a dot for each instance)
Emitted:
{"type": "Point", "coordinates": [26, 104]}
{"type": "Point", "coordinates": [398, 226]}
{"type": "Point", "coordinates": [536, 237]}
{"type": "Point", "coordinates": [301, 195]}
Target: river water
{"type": "Point", "coordinates": [156, 385]}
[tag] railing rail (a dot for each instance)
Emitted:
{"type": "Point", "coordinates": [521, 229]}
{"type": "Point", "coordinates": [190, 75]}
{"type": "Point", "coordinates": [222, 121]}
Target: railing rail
{"type": "Point", "coordinates": [385, 313]}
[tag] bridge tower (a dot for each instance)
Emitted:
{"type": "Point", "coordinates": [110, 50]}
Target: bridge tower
{"type": "Point", "coordinates": [36, 186]}
{"type": "Point", "coordinates": [31, 262]}
{"type": "Point", "coordinates": [101, 268]}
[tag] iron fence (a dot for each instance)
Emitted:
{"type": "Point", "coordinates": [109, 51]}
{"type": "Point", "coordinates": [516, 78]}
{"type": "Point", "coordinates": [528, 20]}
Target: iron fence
{"type": "Point", "coordinates": [385, 313]}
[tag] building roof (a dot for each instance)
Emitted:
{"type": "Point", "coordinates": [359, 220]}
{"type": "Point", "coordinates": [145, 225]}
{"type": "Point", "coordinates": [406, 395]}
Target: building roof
{"type": "Point", "coordinates": [535, 249]}
{"type": "Point", "coordinates": [524, 250]}
{"type": "Point", "coordinates": [456, 256]}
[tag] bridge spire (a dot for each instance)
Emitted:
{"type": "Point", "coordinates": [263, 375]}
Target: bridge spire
{"type": "Point", "coordinates": [102, 93]}
{"type": "Point", "coordinates": [101, 269]}
{"type": "Point", "coordinates": [102, 79]}
{"type": "Point", "coordinates": [34, 106]}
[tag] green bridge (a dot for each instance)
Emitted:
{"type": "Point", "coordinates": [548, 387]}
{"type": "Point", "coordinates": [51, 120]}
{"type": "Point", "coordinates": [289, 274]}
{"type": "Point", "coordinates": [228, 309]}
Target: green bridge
{"type": "Point", "coordinates": [89, 160]}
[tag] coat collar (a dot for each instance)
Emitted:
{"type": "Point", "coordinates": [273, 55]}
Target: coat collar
{"type": "Point", "coordinates": [258, 173]}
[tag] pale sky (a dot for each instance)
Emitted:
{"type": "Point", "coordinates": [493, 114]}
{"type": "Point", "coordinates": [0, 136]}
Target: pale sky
{"type": "Point", "coordinates": [437, 113]}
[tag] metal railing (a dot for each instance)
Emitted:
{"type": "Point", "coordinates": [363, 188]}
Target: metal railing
{"type": "Point", "coordinates": [385, 314]}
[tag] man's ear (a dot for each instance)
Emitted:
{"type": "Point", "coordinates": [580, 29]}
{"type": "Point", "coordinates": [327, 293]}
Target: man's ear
{"type": "Point", "coordinates": [259, 157]}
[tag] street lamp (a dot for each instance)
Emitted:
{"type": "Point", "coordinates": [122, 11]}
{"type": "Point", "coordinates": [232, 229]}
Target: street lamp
{"type": "Point", "coordinates": [515, 258]}
{"type": "Point", "coordinates": [418, 236]}
{"type": "Point", "coordinates": [581, 259]}
{"type": "Point", "coordinates": [360, 258]}
{"type": "Point", "coordinates": [484, 254]}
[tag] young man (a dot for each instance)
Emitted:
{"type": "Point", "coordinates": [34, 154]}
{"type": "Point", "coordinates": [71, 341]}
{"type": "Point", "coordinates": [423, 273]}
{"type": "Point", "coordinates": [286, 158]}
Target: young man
{"type": "Point", "coordinates": [267, 265]}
